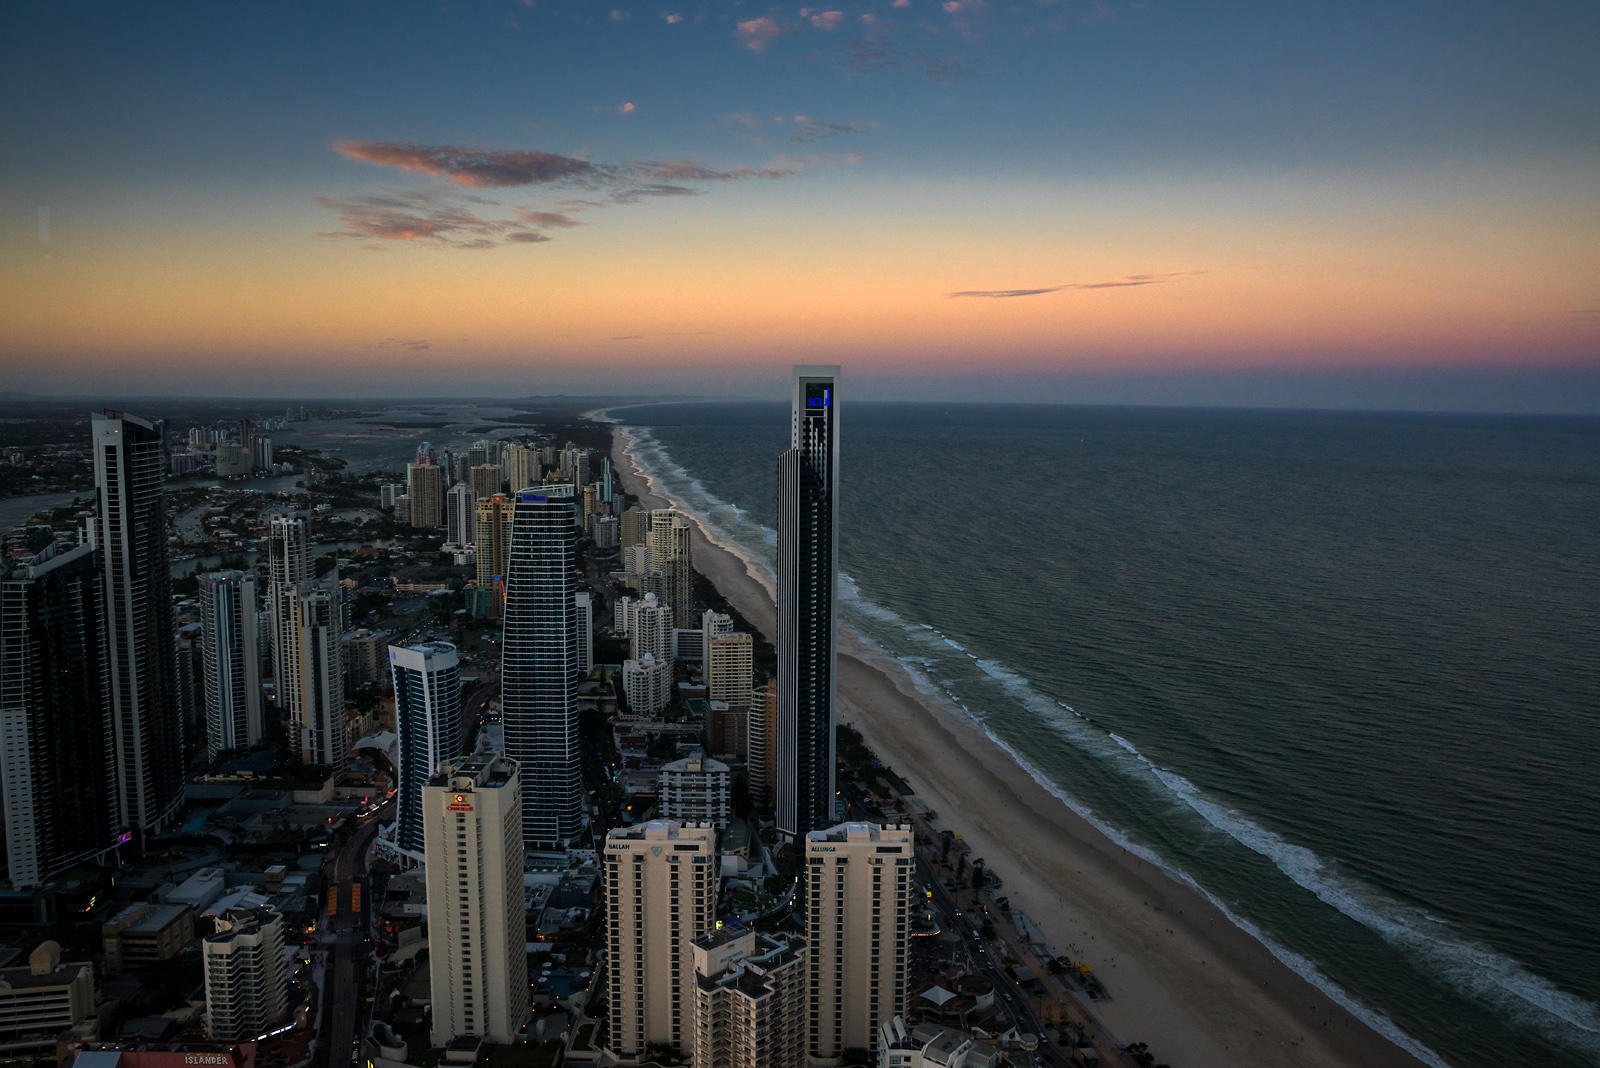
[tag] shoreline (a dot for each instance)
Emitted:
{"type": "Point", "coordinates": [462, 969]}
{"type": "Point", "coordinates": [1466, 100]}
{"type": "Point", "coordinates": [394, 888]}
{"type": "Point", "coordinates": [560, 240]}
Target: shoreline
{"type": "Point", "coordinates": [1201, 991]}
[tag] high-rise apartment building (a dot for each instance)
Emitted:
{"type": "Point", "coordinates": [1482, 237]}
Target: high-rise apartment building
{"type": "Point", "coordinates": [485, 479]}
{"type": "Point", "coordinates": [230, 652]}
{"type": "Point", "coordinates": [695, 789]}
{"type": "Point", "coordinates": [661, 894]}
{"type": "Point", "coordinates": [314, 684]}
{"type": "Point", "coordinates": [808, 587]}
{"type": "Point", "coordinates": [730, 668]}
{"type": "Point", "coordinates": [539, 665]}
{"type": "Point", "coordinates": [521, 465]}
{"type": "Point", "coordinates": [762, 742]}
{"type": "Point", "coordinates": [633, 526]}
{"type": "Point", "coordinates": [493, 546]}
{"type": "Point", "coordinates": [427, 716]}
{"type": "Point", "coordinates": [583, 604]}
{"type": "Point", "coordinates": [478, 967]}
{"type": "Point", "coordinates": [461, 516]}
{"type": "Point", "coordinates": [425, 487]}
{"type": "Point", "coordinates": [670, 553]}
{"type": "Point", "coordinates": [750, 1000]}
{"type": "Point", "coordinates": [131, 536]}
{"type": "Point", "coordinates": [57, 772]}
{"type": "Point", "coordinates": [859, 881]}
{"type": "Point", "coordinates": [247, 984]}
{"type": "Point", "coordinates": [647, 685]}
{"type": "Point", "coordinates": [288, 565]}
{"type": "Point", "coordinates": [647, 621]}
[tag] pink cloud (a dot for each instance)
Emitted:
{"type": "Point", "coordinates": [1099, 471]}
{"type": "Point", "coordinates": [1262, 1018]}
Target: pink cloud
{"type": "Point", "coordinates": [827, 20]}
{"type": "Point", "coordinates": [673, 18]}
{"type": "Point", "coordinates": [756, 34]}
{"type": "Point", "coordinates": [479, 168]}
{"type": "Point", "coordinates": [626, 109]}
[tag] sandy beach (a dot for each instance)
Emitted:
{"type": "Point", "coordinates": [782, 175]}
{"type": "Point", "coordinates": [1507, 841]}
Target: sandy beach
{"type": "Point", "coordinates": [1183, 978]}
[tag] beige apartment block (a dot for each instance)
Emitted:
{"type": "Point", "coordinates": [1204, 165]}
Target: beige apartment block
{"type": "Point", "coordinates": [661, 894]}
{"type": "Point", "coordinates": [750, 1000]}
{"type": "Point", "coordinates": [859, 883]}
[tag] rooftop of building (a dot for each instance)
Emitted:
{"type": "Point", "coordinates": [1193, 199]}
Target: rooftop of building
{"type": "Point", "coordinates": [145, 917]}
{"type": "Point", "coordinates": [699, 763]}
{"type": "Point", "coordinates": [476, 771]}
{"type": "Point", "coordinates": [863, 832]}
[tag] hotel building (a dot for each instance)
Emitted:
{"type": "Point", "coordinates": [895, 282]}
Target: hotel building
{"type": "Point", "coordinates": [477, 921]}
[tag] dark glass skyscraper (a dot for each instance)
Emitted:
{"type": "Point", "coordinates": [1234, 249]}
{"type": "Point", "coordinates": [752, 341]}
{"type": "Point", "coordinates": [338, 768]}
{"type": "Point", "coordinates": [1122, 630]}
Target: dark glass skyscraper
{"type": "Point", "coordinates": [131, 531]}
{"type": "Point", "coordinates": [539, 665]}
{"type": "Point", "coordinates": [808, 586]}
{"type": "Point", "coordinates": [55, 741]}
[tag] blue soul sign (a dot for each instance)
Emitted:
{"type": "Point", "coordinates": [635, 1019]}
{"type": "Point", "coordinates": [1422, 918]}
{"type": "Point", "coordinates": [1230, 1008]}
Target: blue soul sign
{"type": "Point", "coordinates": [819, 402]}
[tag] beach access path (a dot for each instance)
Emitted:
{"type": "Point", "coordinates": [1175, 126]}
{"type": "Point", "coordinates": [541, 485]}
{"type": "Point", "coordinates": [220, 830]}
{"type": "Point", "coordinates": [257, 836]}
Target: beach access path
{"type": "Point", "coordinates": [1198, 990]}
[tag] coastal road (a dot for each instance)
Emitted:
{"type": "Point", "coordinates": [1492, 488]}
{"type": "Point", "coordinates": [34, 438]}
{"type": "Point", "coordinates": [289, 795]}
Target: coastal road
{"type": "Point", "coordinates": [345, 940]}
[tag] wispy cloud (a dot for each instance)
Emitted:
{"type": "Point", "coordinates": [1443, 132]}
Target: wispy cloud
{"type": "Point", "coordinates": [808, 129]}
{"type": "Point", "coordinates": [546, 219]}
{"type": "Point", "coordinates": [1588, 314]}
{"type": "Point", "coordinates": [442, 216]}
{"type": "Point", "coordinates": [628, 337]}
{"type": "Point", "coordinates": [479, 168]}
{"type": "Point", "coordinates": [756, 34]}
{"type": "Point", "coordinates": [413, 344]}
{"type": "Point", "coordinates": [826, 20]}
{"type": "Point", "coordinates": [1116, 283]}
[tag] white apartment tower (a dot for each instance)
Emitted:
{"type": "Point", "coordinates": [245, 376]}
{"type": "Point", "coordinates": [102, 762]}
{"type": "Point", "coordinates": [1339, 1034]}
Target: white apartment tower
{"type": "Point", "coordinates": [750, 1000]}
{"type": "Point", "coordinates": [647, 684]}
{"type": "Point", "coordinates": [648, 623]}
{"type": "Point", "coordinates": [231, 655]}
{"type": "Point", "coordinates": [661, 894]}
{"type": "Point", "coordinates": [427, 715]}
{"type": "Point", "coordinates": [472, 820]}
{"type": "Point", "coordinates": [521, 466]}
{"type": "Point", "coordinates": [247, 985]}
{"type": "Point", "coordinates": [859, 882]}
{"type": "Point", "coordinates": [695, 790]}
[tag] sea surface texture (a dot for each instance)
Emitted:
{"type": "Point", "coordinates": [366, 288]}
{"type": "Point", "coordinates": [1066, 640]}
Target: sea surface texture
{"type": "Point", "coordinates": [1339, 670]}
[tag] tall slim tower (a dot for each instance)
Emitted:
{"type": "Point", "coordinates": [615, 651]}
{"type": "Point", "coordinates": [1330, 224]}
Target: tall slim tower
{"type": "Point", "coordinates": [539, 665]}
{"type": "Point", "coordinates": [427, 714]}
{"type": "Point", "coordinates": [288, 565]}
{"type": "Point", "coordinates": [461, 518]}
{"type": "Point", "coordinates": [247, 985]}
{"type": "Point", "coordinates": [231, 653]}
{"type": "Point", "coordinates": [315, 688]}
{"type": "Point", "coordinates": [131, 535]}
{"type": "Point", "coordinates": [425, 487]}
{"type": "Point", "coordinates": [57, 773]}
{"type": "Point", "coordinates": [478, 965]}
{"type": "Point", "coordinates": [808, 587]}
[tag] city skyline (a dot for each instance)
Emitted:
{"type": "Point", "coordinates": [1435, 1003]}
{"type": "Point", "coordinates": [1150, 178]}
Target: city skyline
{"type": "Point", "coordinates": [1110, 203]}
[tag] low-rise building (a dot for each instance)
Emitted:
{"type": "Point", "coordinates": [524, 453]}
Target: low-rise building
{"type": "Point", "coordinates": [931, 1046]}
{"type": "Point", "coordinates": [145, 932]}
{"type": "Point", "coordinates": [41, 1001]}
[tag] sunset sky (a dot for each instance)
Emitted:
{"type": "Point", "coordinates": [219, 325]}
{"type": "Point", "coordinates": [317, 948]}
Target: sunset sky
{"type": "Point", "coordinates": [1386, 204]}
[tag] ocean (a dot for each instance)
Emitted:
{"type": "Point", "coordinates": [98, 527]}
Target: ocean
{"type": "Point", "coordinates": [1341, 671]}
